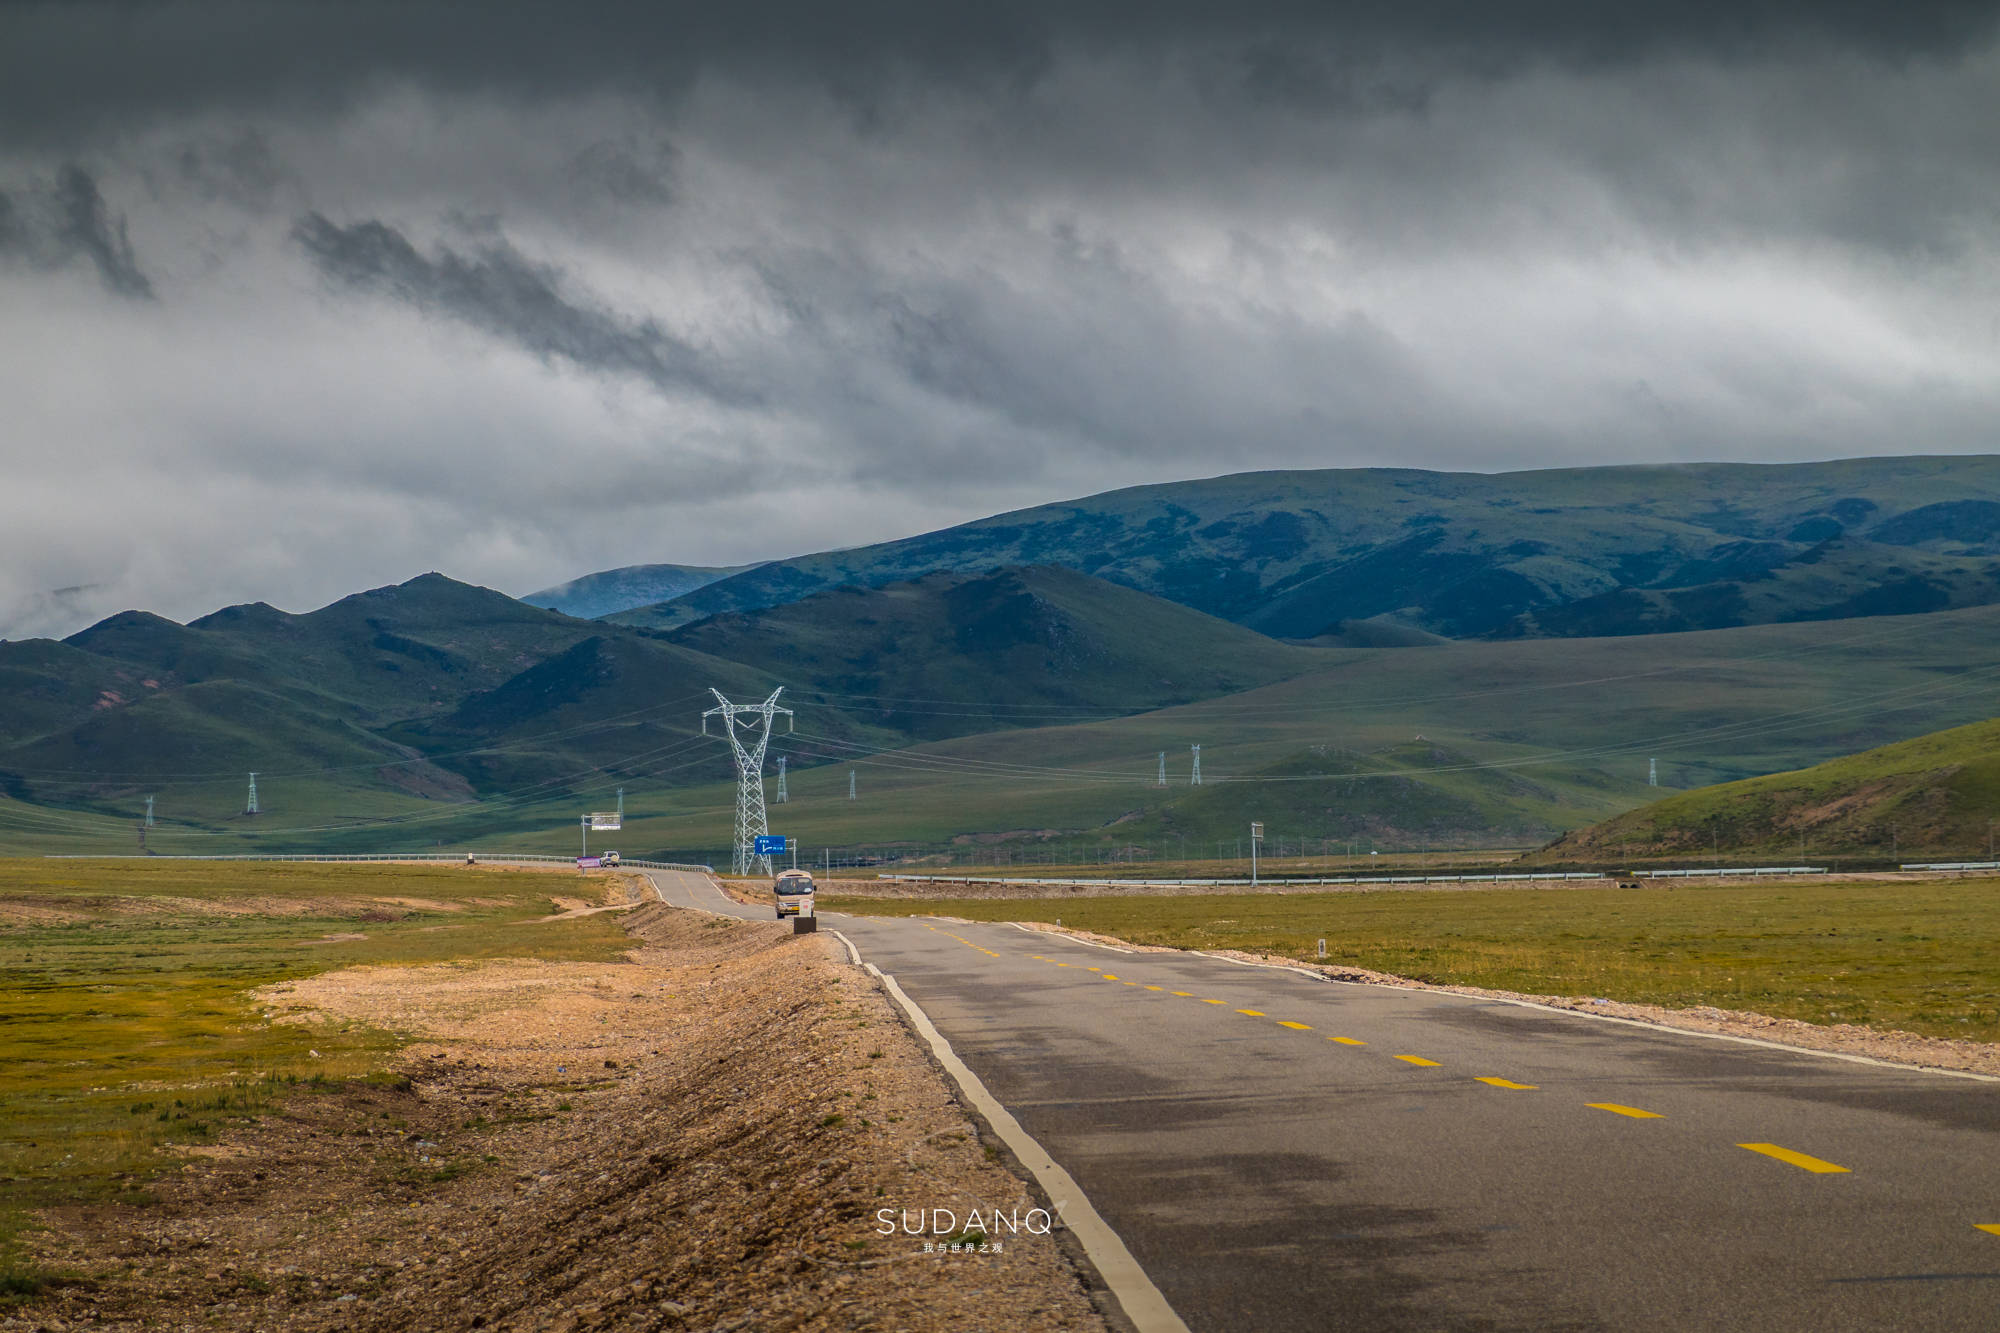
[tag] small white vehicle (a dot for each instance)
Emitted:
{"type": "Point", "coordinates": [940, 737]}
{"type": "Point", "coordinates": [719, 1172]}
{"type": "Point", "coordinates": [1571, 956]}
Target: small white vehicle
{"type": "Point", "coordinates": [609, 858]}
{"type": "Point", "coordinates": [794, 892]}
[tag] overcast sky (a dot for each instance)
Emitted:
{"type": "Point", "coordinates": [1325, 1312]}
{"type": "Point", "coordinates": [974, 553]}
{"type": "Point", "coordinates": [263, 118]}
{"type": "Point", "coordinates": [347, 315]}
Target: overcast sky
{"type": "Point", "coordinates": [299, 299]}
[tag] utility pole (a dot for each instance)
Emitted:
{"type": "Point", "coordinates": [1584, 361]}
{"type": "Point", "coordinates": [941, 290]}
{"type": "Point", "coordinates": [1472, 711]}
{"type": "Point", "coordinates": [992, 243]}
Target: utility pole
{"type": "Point", "coordinates": [782, 797]}
{"type": "Point", "coordinates": [1194, 780]}
{"type": "Point", "coordinates": [1163, 770]}
{"type": "Point", "coordinates": [149, 812]}
{"type": "Point", "coordinates": [1652, 772]}
{"type": "Point", "coordinates": [751, 820]}
{"type": "Point", "coordinates": [251, 808]}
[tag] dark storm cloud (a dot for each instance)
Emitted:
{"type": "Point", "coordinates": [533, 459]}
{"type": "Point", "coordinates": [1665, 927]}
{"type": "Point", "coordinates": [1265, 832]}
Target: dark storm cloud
{"type": "Point", "coordinates": [66, 66]}
{"type": "Point", "coordinates": [67, 222]}
{"type": "Point", "coordinates": [501, 292]}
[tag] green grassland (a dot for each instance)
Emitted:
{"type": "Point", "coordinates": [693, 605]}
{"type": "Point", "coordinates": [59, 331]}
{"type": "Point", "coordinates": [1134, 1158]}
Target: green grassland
{"type": "Point", "coordinates": [124, 1020]}
{"type": "Point", "coordinates": [1914, 956]}
{"type": "Point", "coordinates": [1936, 796]}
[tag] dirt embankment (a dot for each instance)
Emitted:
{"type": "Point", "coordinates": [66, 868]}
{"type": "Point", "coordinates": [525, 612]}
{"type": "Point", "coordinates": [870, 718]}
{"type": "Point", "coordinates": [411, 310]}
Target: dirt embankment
{"type": "Point", "coordinates": [702, 1137]}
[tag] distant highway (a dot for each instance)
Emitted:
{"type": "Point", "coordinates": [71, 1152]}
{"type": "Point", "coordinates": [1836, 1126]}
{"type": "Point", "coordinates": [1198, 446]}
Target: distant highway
{"type": "Point", "coordinates": [1286, 1153]}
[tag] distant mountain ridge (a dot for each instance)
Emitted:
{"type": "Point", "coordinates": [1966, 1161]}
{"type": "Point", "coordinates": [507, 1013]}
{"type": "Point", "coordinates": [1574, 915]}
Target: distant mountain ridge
{"type": "Point", "coordinates": [1557, 553]}
{"type": "Point", "coordinates": [613, 590]}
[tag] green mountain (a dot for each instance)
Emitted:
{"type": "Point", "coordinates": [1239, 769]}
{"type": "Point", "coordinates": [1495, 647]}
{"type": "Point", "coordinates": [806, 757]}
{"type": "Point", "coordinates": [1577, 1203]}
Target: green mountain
{"type": "Point", "coordinates": [1934, 797]}
{"type": "Point", "coordinates": [614, 590]}
{"type": "Point", "coordinates": [952, 654]}
{"type": "Point", "coordinates": [1558, 553]}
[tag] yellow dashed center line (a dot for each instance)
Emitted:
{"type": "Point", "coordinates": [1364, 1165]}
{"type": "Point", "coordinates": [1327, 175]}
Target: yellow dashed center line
{"type": "Point", "coordinates": [1106, 975]}
{"type": "Point", "coordinates": [1185, 994]}
{"type": "Point", "coordinates": [1632, 1111]}
{"type": "Point", "coordinates": [1301, 1027]}
{"type": "Point", "coordinates": [1992, 1227]}
{"type": "Point", "coordinates": [1128, 983]}
{"type": "Point", "coordinates": [1156, 988]}
{"type": "Point", "coordinates": [1797, 1159]}
{"type": "Point", "coordinates": [1254, 1013]}
{"type": "Point", "coordinates": [1418, 1060]}
{"type": "Point", "coordinates": [1509, 1083]}
{"type": "Point", "coordinates": [1347, 1041]}
{"type": "Point", "coordinates": [1206, 1001]}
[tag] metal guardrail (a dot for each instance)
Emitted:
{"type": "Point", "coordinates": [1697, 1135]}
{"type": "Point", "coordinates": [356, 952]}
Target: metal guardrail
{"type": "Point", "coordinates": [1729, 870]}
{"type": "Point", "coordinates": [1951, 865]}
{"type": "Point", "coordinates": [458, 858]}
{"type": "Point", "coordinates": [1229, 883]}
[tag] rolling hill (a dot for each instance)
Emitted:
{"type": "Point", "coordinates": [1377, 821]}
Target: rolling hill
{"type": "Point", "coordinates": [1582, 552]}
{"type": "Point", "coordinates": [953, 654]}
{"type": "Point", "coordinates": [1936, 796]}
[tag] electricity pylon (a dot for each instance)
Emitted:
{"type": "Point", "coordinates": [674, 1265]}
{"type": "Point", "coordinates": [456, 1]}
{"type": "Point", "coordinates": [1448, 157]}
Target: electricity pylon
{"type": "Point", "coordinates": [782, 798]}
{"type": "Point", "coordinates": [751, 821]}
{"type": "Point", "coordinates": [850, 784]}
{"type": "Point", "coordinates": [149, 812]}
{"type": "Point", "coordinates": [1163, 770]}
{"type": "Point", "coordinates": [251, 808]}
{"type": "Point", "coordinates": [1195, 781]}
{"type": "Point", "coordinates": [1652, 772]}
{"type": "Point", "coordinates": [621, 805]}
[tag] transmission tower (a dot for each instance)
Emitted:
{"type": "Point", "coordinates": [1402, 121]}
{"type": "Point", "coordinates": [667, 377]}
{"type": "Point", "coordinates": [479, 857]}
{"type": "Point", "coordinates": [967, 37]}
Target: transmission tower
{"type": "Point", "coordinates": [149, 812]}
{"type": "Point", "coordinates": [1652, 772]}
{"type": "Point", "coordinates": [251, 808]}
{"type": "Point", "coordinates": [850, 784]}
{"type": "Point", "coordinates": [621, 805]}
{"type": "Point", "coordinates": [1195, 781]}
{"type": "Point", "coordinates": [1163, 770]}
{"type": "Point", "coordinates": [782, 797]}
{"type": "Point", "coordinates": [751, 821]}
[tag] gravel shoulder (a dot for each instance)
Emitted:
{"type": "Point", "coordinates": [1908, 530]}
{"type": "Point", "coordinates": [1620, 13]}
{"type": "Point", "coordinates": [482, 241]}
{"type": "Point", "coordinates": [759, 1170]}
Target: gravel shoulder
{"type": "Point", "coordinates": [713, 1133]}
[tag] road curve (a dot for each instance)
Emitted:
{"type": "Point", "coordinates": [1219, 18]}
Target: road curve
{"type": "Point", "coordinates": [1283, 1153]}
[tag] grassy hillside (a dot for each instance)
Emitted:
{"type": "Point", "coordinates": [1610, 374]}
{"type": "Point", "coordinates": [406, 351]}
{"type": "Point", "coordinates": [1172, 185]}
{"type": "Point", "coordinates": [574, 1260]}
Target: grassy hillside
{"type": "Point", "coordinates": [1937, 796]}
{"type": "Point", "coordinates": [615, 590]}
{"type": "Point", "coordinates": [955, 654]}
{"type": "Point", "coordinates": [1414, 794]}
{"type": "Point", "coordinates": [1566, 552]}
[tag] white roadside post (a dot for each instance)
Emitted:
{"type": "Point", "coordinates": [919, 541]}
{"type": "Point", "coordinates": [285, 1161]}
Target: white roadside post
{"type": "Point", "coordinates": [1256, 836]}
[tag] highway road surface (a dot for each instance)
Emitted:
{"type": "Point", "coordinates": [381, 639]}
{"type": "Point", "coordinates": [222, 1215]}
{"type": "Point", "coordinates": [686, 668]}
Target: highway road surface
{"type": "Point", "coordinates": [1281, 1152]}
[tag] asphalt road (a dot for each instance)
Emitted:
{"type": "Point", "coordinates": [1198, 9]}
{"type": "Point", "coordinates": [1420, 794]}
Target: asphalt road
{"type": "Point", "coordinates": [1281, 1152]}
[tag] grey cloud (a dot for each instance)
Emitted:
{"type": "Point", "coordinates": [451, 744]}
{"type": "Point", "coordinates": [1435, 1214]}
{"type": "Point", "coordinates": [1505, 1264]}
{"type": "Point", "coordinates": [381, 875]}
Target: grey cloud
{"type": "Point", "coordinates": [68, 221]}
{"type": "Point", "coordinates": [501, 292]}
{"type": "Point", "coordinates": [139, 59]}
{"type": "Point", "coordinates": [87, 228]}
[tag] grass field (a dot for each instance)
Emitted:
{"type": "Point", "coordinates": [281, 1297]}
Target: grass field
{"type": "Point", "coordinates": [124, 1023]}
{"type": "Point", "coordinates": [1919, 956]}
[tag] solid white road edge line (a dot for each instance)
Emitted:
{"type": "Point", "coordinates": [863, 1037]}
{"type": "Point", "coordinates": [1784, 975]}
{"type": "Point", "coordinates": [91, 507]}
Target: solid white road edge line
{"type": "Point", "coordinates": [1614, 1018]}
{"type": "Point", "coordinates": [1058, 934]}
{"type": "Point", "coordinates": [1141, 1300]}
{"type": "Point", "coordinates": [852, 952]}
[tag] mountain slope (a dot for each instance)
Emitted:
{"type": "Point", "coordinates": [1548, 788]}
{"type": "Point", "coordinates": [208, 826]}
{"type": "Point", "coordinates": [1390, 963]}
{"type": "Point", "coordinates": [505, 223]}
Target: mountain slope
{"type": "Point", "coordinates": [614, 590]}
{"type": "Point", "coordinates": [1934, 796]}
{"type": "Point", "coordinates": [1582, 551]}
{"type": "Point", "coordinates": [951, 654]}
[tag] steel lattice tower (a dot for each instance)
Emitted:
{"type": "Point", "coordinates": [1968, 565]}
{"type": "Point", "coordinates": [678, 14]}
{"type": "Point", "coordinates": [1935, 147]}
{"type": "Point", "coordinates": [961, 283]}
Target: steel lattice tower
{"type": "Point", "coordinates": [1163, 770]}
{"type": "Point", "coordinates": [251, 808]}
{"type": "Point", "coordinates": [751, 820]}
{"type": "Point", "coordinates": [1652, 772]}
{"type": "Point", "coordinates": [1195, 779]}
{"type": "Point", "coordinates": [149, 812]}
{"type": "Point", "coordinates": [782, 798]}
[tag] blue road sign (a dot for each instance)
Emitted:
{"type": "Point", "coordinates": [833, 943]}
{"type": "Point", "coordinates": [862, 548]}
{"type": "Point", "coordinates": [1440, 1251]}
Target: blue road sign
{"type": "Point", "coordinates": [769, 844]}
